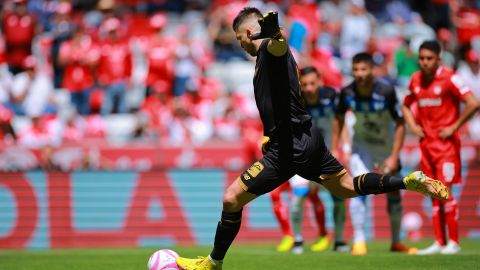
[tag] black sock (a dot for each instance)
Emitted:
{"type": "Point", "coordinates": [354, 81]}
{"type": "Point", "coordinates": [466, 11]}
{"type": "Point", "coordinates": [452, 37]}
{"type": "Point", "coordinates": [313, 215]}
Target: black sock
{"type": "Point", "coordinates": [227, 230]}
{"type": "Point", "coordinates": [372, 183]}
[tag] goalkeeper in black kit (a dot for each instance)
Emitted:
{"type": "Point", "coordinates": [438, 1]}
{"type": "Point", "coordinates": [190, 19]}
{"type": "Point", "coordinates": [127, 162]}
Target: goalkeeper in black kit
{"type": "Point", "coordinates": [294, 146]}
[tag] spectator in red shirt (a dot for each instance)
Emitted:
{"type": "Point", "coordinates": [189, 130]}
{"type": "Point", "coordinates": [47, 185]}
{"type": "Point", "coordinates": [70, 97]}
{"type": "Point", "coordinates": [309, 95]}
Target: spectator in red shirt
{"type": "Point", "coordinates": [19, 30]}
{"type": "Point", "coordinates": [79, 56]}
{"type": "Point", "coordinates": [466, 18]}
{"type": "Point", "coordinates": [158, 107]}
{"type": "Point", "coordinates": [159, 54]}
{"type": "Point", "coordinates": [114, 68]}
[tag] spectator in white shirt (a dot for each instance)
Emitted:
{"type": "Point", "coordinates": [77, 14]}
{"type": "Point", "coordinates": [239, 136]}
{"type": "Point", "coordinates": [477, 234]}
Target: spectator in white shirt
{"type": "Point", "coordinates": [357, 28]}
{"type": "Point", "coordinates": [32, 91]}
{"type": "Point", "coordinates": [469, 71]}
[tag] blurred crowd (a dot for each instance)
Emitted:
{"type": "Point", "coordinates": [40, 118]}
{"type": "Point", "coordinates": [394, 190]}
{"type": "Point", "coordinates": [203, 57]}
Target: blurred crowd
{"type": "Point", "coordinates": [171, 72]}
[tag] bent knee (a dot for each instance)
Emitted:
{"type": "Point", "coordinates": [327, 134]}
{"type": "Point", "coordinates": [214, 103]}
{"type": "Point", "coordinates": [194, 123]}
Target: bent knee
{"type": "Point", "coordinates": [231, 202]}
{"type": "Point", "coordinates": [343, 187]}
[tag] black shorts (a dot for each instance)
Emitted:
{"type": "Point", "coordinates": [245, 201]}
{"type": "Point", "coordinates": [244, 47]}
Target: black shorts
{"type": "Point", "coordinates": [311, 160]}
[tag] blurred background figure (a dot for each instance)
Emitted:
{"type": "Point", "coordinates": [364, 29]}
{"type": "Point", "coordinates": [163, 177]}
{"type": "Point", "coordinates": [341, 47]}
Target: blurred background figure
{"type": "Point", "coordinates": [469, 71]}
{"type": "Point", "coordinates": [62, 30]}
{"type": "Point", "coordinates": [32, 91]}
{"type": "Point", "coordinates": [357, 27]}
{"type": "Point", "coordinates": [114, 67]}
{"type": "Point", "coordinates": [160, 55]}
{"type": "Point", "coordinates": [19, 29]}
{"type": "Point", "coordinates": [78, 58]}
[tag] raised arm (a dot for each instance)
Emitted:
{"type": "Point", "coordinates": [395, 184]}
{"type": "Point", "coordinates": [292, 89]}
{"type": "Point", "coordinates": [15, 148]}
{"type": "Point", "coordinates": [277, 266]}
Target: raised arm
{"type": "Point", "coordinates": [277, 45]}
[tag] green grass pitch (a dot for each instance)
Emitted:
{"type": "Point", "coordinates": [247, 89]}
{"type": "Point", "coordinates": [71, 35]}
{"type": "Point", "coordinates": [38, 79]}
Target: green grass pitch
{"type": "Point", "coordinates": [243, 257]}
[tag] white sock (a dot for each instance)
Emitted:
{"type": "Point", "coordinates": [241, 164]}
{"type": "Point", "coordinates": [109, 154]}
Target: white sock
{"type": "Point", "coordinates": [358, 211]}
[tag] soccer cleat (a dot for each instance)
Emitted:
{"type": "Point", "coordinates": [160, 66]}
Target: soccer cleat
{"type": "Point", "coordinates": [451, 248]}
{"type": "Point", "coordinates": [341, 247]}
{"type": "Point", "coordinates": [419, 182]}
{"type": "Point", "coordinates": [359, 248]}
{"type": "Point", "coordinates": [321, 245]}
{"type": "Point", "coordinates": [286, 244]}
{"type": "Point", "coordinates": [433, 249]}
{"type": "Point", "coordinates": [399, 247]}
{"type": "Point", "coordinates": [200, 263]}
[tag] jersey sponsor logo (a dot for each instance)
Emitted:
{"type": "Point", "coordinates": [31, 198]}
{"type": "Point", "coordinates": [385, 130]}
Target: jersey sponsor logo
{"type": "Point", "coordinates": [246, 176]}
{"type": "Point", "coordinates": [429, 102]}
{"type": "Point", "coordinates": [448, 170]}
{"type": "Point", "coordinates": [417, 89]}
{"type": "Point", "coordinates": [458, 82]}
{"type": "Point", "coordinates": [437, 90]}
{"type": "Point", "coordinates": [255, 169]}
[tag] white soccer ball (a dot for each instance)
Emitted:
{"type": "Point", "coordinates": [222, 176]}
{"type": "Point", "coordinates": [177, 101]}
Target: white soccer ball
{"type": "Point", "coordinates": [163, 259]}
{"type": "Point", "coordinates": [412, 221]}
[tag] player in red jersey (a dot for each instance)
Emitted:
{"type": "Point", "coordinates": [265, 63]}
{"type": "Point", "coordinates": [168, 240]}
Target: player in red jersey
{"type": "Point", "coordinates": [438, 92]}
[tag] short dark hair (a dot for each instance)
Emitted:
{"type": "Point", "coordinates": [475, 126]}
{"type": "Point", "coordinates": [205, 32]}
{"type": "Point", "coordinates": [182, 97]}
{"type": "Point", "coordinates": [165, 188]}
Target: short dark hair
{"type": "Point", "coordinates": [243, 14]}
{"type": "Point", "coordinates": [307, 70]}
{"type": "Point", "coordinates": [431, 45]}
{"type": "Point", "coordinates": [363, 57]}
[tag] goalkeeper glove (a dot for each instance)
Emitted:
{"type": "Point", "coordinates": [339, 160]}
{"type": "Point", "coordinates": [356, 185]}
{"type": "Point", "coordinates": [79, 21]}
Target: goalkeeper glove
{"type": "Point", "coordinates": [269, 27]}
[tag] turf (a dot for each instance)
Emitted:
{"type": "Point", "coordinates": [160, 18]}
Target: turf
{"type": "Point", "coordinates": [243, 257]}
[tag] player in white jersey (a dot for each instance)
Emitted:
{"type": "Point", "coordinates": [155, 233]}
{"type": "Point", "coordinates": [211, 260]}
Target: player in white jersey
{"type": "Point", "coordinates": [320, 102]}
{"type": "Point", "coordinates": [378, 136]}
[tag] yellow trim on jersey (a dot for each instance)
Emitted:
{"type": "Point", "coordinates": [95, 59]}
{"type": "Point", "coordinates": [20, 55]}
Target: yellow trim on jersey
{"type": "Point", "coordinates": [255, 169]}
{"type": "Point", "coordinates": [336, 175]}
{"type": "Point", "coordinates": [242, 185]}
{"type": "Point", "coordinates": [360, 180]}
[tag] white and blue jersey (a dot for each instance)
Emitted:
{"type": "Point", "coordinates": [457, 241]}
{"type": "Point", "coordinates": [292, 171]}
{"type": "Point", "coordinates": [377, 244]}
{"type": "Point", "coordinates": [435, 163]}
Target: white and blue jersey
{"type": "Point", "coordinates": [374, 128]}
{"type": "Point", "coordinates": [323, 112]}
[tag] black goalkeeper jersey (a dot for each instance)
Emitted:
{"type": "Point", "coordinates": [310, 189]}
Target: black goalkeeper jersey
{"type": "Point", "coordinates": [277, 94]}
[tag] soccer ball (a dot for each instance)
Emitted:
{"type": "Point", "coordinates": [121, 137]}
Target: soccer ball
{"type": "Point", "coordinates": [163, 259]}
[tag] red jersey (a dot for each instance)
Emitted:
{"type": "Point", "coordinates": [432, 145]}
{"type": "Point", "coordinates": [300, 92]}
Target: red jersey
{"type": "Point", "coordinates": [161, 61]}
{"type": "Point", "coordinates": [468, 25]}
{"type": "Point", "coordinates": [19, 32]}
{"type": "Point", "coordinates": [78, 58]}
{"type": "Point", "coordinates": [115, 62]}
{"type": "Point", "coordinates": [438, 107]}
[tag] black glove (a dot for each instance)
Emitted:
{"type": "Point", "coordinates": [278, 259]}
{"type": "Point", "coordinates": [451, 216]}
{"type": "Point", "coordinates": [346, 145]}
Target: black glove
{"type": "Point", "coordinates": [269, 26]}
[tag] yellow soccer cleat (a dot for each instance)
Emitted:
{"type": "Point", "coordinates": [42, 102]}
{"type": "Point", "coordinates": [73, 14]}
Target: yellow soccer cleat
{"type": "Point", "coordinates": [359, 248]}
{"type": "Point", "coordinates": [419, 182]}
{"type": "Point", "coordinates": [322, 244]}
{"type": "Point", "coordinates": [200, 263]}
{"type": "Point", "coordinates": [286, 244]}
